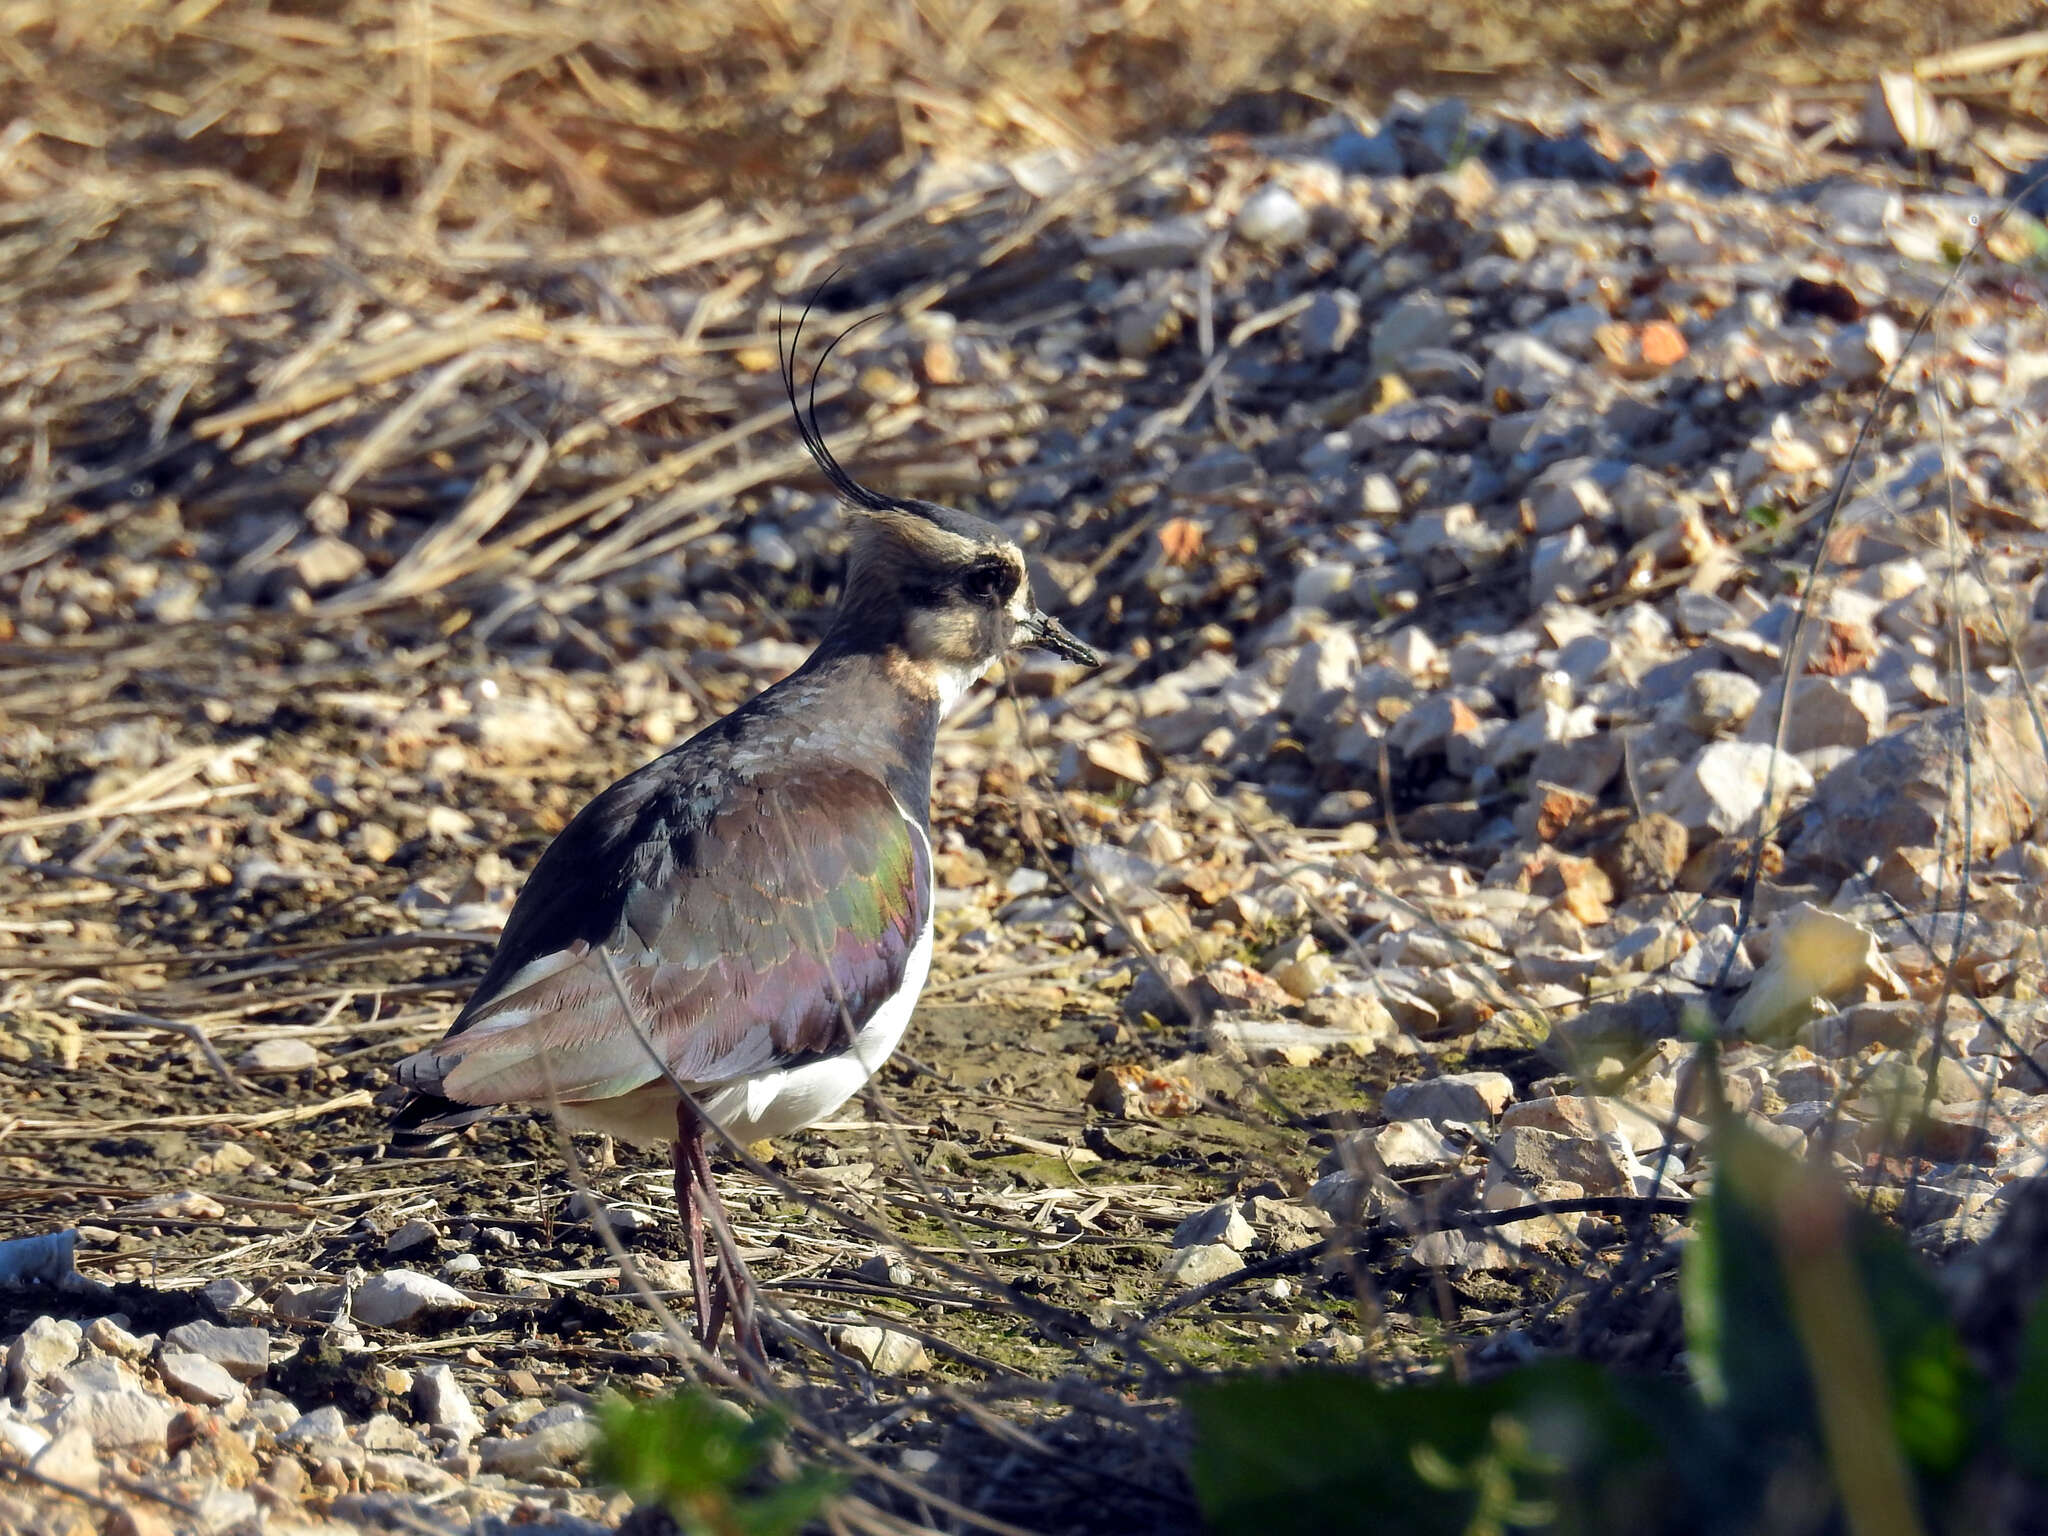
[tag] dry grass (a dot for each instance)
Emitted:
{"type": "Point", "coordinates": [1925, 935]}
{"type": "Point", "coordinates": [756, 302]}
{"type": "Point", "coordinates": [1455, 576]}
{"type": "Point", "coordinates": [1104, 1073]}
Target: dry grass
{"type": "Point", "coordinates": [579, 115]}
{"type": "Point", "coordinates": [382, 268]}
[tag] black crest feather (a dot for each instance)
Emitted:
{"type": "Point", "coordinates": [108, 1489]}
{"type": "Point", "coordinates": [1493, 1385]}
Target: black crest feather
{"type": "Point", "coordinates": [805, 412]}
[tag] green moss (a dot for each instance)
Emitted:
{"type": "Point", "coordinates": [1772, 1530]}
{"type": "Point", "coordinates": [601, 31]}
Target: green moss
{"type": "Point", "coordinates": [1040, 1170]}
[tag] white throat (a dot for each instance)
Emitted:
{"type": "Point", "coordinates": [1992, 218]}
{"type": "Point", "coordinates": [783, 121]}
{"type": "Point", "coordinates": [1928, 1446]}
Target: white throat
{"type": "Point", "coordinates": [953, 683]}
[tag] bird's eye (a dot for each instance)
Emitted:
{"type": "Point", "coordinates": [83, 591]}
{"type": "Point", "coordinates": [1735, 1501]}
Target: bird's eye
{"type": "Point", "coordinates": [989, 583]}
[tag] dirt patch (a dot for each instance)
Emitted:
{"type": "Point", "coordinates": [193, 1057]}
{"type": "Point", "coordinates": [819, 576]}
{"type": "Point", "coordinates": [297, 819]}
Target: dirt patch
{"type": "Point", "coordinates": [1450, 488]}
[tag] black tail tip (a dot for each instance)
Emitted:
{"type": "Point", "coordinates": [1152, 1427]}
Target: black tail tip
{"type": "Point", "coordinates": [426, 1123]}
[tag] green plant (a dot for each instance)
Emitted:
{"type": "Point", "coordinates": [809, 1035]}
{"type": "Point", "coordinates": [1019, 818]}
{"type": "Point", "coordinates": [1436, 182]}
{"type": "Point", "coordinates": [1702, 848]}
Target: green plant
{"type": "Point", "coordinates": [706, 1464]}
{"type": "Point", "coordinates": [1559, 1445]}
{"type": "Point", "coordinates": [1829, 1391]}
{"type": "Point", "coordinates": [1492, 1476]}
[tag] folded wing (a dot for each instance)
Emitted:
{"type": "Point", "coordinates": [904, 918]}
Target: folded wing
{"type": "Point", "coordinates": [749, 929]}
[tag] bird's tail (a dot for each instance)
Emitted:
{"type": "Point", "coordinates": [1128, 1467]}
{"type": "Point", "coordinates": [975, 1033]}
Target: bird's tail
{"type": "Point", "coordinates": [427, 1122]}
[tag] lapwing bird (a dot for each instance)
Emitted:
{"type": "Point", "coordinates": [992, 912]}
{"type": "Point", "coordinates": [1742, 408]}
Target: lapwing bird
{"type": "Point", "coordinates": [739, 930]}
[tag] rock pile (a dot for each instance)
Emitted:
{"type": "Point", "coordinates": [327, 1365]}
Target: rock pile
{"type": "Point", "coordinates": [1496, 678]}
{"type": "Point", "coordinates": [183, 1433]}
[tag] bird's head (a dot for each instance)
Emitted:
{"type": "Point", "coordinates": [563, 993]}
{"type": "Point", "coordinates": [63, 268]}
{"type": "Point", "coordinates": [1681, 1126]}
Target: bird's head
{"type": "Point", "coordinates": [947, 590]}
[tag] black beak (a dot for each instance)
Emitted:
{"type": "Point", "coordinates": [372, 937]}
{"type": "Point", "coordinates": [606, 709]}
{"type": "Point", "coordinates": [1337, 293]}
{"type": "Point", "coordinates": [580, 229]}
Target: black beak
{"type": "Point", "coordinates": [1042, 632]}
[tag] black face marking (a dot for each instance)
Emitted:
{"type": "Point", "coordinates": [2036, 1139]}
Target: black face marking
{"type": "Point", "coordinates": [991, 583]}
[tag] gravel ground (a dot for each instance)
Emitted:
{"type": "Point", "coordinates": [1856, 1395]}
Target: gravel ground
{"type": "Point", "coordinates": [1499, 689]}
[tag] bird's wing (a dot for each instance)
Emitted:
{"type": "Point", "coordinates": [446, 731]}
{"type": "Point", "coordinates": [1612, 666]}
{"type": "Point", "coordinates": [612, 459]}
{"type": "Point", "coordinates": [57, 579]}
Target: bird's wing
{"type": "Point", "coordinates": [750, 927]}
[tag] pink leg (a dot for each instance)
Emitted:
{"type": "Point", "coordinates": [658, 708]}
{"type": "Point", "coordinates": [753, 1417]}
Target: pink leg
{"type": "Point", "coordinates": [689, 1154]}
{"type": "Point", "coordinates": [735, 1286]}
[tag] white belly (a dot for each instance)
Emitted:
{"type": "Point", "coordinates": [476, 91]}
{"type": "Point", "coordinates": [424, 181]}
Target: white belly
{"type": "Point", "coordinates": [774, 1103]}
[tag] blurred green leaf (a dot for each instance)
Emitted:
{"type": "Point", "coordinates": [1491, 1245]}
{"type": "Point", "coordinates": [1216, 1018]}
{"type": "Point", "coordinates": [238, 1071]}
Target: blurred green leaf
{"type": "Point", "coordinates": [1704, 1306]}
{"type": "Point", "coordinates": [1746, 1356]}
{"type": "Point", "coordinates": [2024, 1423]}
{"type": "Point", "coordinates": [705, 1464]}
{"type": "Point", "coordinates": [2036, 234]}
{"type": "Point", "coordinates": [788, 1507]}
{"type": "Point", "coordinates": [1559, 1445]}
{"type": "Point", "coordinates": [1785, 1277]}
{"type": "Point", "coordinates": [1938, 1398]}
{"type": "Point", "coordinates": [1748, 1348]}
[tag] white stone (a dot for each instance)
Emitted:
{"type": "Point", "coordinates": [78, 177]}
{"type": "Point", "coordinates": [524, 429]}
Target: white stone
{"type": "Point", "coordinates": [1815, 954]}
{"type": "Point", "coordinates": [316, 1424]}
{"type": "Point", "coordinates": [24, 1439]}
{"type": "Point", "coordinates": [553, 1444]}
{"type": "Point", "coordinates": [383, 1432]}
{"type": "Point", "coordinates": [69, 1459]}
{"type": "Point", "coordinates": [1201, 1264]}
{"type": "Point", "coordinates": [401, 1296]}
{"type": "Point", "coordinates": [1650, 946]}
{"type": "Point", "coordinates": [1412, 653]}
{"type": "Point", "coordinates": [1718, 702]}
{"type": "Point", "coordinates": [243, 1353]}
{"type": "Point", "coordinates": [1418, 320]}
{"type": "Point", "coordinates": [1524, 370]}
{"type": "Point", "coordinates": [281, 1055]}
{"type": "Point", "coordinates": [1601, 1165]}
{"type": "Point", "coordinates": [1249, 1037]}
{"type": "Point", "coordinates": [1722, 788]}
{"type": "Point", "coordinates": [1105, 763]}
{"type": "Point", "coordinates": [44, 1347]}
{"type": "Point", "coordinates": [1716, 956]}
{"type": "Point", "coordinates": [110, 1338]}
{"type": "Point", "coordinates": [327, 562]}
{"type": "Point", "coordinates": [1845, 712]}
{"type": "Point", "coordinates": [1155, 840]}
{"type": "Point", "coordinates": [1321, 675]}
{"type": "Point", "coordinates": [1407, 1147]}
{"type": "Point", "coordinates": [1273, 217]}
{"type": "Point", "coordinates": [176, 1205]}
{"type": "Point", "coordinates": [43, 1258]}
{"type": "Point", "coordinates": [646, 1341]}
{"type": "Point", "coordinates": [197, 1379]}
{"type": "Point", "coordinates": [1867, 350]}
{"type": "Point", "coordinates": [438, 1399]}
{"type": "Point", "coordinates": [1222, 1223]}
{"type": "Point", "coordinates": [1321, 583]}
{"type": "Point", "coordinates": [1901, 113]}
{"type": "Point", "coordinates": [884, 1351]}
{"type": "Point", "coordinates": [1564, 565]}
{"type": "Point", "coordinates": [512, 728]}
{"type": "Point", "coordinates": [1557, 507]}
{"type": "Point", "coordinates": [311, 1303]}
{"type": "Point", "coordinates": [1467, 1097]}
{"type": "Point", "coordinates": [1460, 1252]}
{"type": "Point", "coordinates": [1344, 1196]}
{"type": "Point", "coordinates": [1378, 496]}
{"type": "Point", "coordinates": [111, 1405]}
{"type": "Point", "coordinates": [1588, 1117]}
{"type": "Point", "coordinates": [414, 1235]}
{"type": "Point", "coordinates": [229, 1294]}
